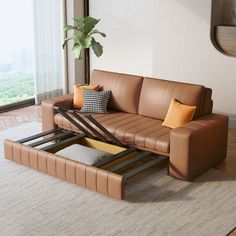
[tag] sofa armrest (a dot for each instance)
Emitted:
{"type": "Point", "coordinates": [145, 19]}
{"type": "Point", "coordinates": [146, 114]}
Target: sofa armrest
{"type": "Point", "coordinates": [197, 146]}
{"type": "Point", "coordinates": [48, 112]}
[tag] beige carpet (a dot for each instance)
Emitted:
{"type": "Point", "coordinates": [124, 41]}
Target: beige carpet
{"type": "Point", "coordinates": [19, 132]}
{"type": "Point", "coordinates": [32, 203]}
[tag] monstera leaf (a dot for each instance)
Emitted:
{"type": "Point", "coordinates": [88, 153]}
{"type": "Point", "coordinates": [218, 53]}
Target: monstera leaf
{"type": "Point", "coordinates": [83, 36]}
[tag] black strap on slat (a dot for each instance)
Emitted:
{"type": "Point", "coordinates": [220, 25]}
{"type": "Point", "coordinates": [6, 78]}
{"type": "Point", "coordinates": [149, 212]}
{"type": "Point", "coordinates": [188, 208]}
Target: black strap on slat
{"type": "Point", "coordinates": [87, 125]}
{"type": "Point", "coordinates": [105, 131]}
{"type": "Point", "coordinates": [115, 157]}
{"type": "Point", "coordinates": [74, 138]}
{"type": "Point", "coordinates": [24, 140]}
{"type": "Point", "coordinates": [123, 164]}
{"type": "Point", "coordinates": [143, 167]}
{"type": "Point", "coordinates": [63, 113]}
{"type": "Point", "coordinates": [56, 137]}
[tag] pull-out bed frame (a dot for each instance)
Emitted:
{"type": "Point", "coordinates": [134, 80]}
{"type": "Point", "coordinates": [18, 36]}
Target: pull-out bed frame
{"type": "Point", "coordinates": [106, 176]}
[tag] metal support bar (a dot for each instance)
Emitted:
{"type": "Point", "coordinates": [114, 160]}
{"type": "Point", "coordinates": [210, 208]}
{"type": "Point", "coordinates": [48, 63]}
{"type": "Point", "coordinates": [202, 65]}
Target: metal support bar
{"type": "Point", "coordinates": [123, 164]}
{"type": "Point", "coordinates": [56, 137]}
{"type": "Point", "coordinates": [38, 135]}
{"type": "Point", "coordinates": [86, 124]}
{"type": "Point", "coordinates": [143, 167]}
{"type": "Point", "coordinates": [105, 131]}
{"type": "Point", "coordinates": [76, 137]}
{"type": "Point", "coordinates": [62, 112]}
{"type": "Point", "coordinates": [115, 157]}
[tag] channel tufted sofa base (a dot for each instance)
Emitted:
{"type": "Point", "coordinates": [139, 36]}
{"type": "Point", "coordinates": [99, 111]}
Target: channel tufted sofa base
{"type": "Point", "coordinates": [86, 176]}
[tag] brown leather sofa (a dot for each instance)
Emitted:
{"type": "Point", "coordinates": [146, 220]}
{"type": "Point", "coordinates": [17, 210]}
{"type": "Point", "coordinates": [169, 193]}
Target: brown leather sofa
{"type": "Point", "coordinates": [137, 109]}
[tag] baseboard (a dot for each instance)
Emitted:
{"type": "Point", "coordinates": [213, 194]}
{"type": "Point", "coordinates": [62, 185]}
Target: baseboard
{"type": "Point", "coordinates": [232, 122]}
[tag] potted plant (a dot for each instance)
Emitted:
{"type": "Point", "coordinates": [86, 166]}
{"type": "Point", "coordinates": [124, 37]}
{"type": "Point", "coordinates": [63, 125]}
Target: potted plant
{"type": "Point", "coordinates": [83, 36]}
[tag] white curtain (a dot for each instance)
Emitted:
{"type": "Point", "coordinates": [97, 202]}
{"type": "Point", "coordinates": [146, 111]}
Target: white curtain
{"type": "Point", "coordinates": [47, 49]}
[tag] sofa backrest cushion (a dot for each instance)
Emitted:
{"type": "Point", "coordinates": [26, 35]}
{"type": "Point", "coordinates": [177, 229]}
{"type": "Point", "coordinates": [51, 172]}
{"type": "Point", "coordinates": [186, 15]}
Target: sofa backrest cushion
{"type": "Point", "coordinates": [156, 96]}
{"type": "Point", "coordinates": [125, 89]}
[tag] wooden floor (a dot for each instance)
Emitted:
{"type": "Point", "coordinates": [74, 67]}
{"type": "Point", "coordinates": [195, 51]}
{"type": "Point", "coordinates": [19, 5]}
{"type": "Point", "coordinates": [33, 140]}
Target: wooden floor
{"type": "Point", "coordinates": [20, 116]}
{"type": "Point", "coordinates": [33, 113]}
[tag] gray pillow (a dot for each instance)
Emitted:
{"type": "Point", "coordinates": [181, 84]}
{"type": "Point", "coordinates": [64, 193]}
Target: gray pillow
{"type": "Point", "coordinates": [86, 155]}
{"type": "Point", "coordinates": [95, 101]}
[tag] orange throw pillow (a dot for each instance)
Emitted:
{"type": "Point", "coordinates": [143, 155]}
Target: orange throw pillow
{"type": "Point", "coordinates": [178, 114]}
{"type": "Point", "coordinates": [78, 100]}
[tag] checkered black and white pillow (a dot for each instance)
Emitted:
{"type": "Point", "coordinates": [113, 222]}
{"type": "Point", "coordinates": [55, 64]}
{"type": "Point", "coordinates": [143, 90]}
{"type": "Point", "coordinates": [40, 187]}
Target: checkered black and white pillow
{"type": "Point", "coordinates": [95, 101]}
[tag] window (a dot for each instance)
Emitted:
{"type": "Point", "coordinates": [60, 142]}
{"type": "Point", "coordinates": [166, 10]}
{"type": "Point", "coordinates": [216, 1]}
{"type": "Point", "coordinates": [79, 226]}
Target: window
{"type": "Point", "coordinates": [16, 51]}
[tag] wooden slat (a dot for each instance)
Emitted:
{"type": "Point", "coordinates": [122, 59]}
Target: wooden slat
{"type": "Point", "coordinates": [68, 140]}
{"type": "Point", "coordinates": [104, 130]}
{"type": "Point", "coordinates": [143, 167]}
{"type": "Point", "coordinates": [24, 140]}
{"type": "Point", "coordinates": [88, 126]}
{"type": "Point", "coordinates": [63, 135]}
{"type": "Point", "coordinates": [115, 157]}
{"type": "Point", "coordinates": [123, 164]}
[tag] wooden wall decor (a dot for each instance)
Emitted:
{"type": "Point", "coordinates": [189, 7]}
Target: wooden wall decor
{"type": "Point", "coordinates": [226, 39]}
{"type": "Point", "coordinates": [223, 26]}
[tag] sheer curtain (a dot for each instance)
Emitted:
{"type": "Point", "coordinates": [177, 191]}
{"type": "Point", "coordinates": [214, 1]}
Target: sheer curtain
{"type": "Point", "coordinates": [47, 49]}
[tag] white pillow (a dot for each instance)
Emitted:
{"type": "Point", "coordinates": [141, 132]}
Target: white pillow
{"type": "Point", "coordinates": [86, 155]}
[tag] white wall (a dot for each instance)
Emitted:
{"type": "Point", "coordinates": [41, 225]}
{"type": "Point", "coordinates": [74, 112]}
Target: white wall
{"type": "Point", "coordinates": [167, 39]}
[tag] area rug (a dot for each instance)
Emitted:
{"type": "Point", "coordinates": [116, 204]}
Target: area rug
{"type": "Point", "coordinates": [19, 132]}
{"type": "Point", "coordinates": [32, 203]}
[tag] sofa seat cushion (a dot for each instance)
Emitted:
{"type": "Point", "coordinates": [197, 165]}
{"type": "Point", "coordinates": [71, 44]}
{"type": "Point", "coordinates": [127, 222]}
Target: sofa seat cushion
{"type": "Point", "coordinates": [134, 130]}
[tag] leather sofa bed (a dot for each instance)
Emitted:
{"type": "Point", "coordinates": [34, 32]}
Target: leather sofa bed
{"type": "Point", "coordinates": [137, 108]}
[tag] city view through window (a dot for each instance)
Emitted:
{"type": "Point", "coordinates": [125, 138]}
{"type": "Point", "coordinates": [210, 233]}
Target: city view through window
{"type": "Point", "coordinates": [16, 51]}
